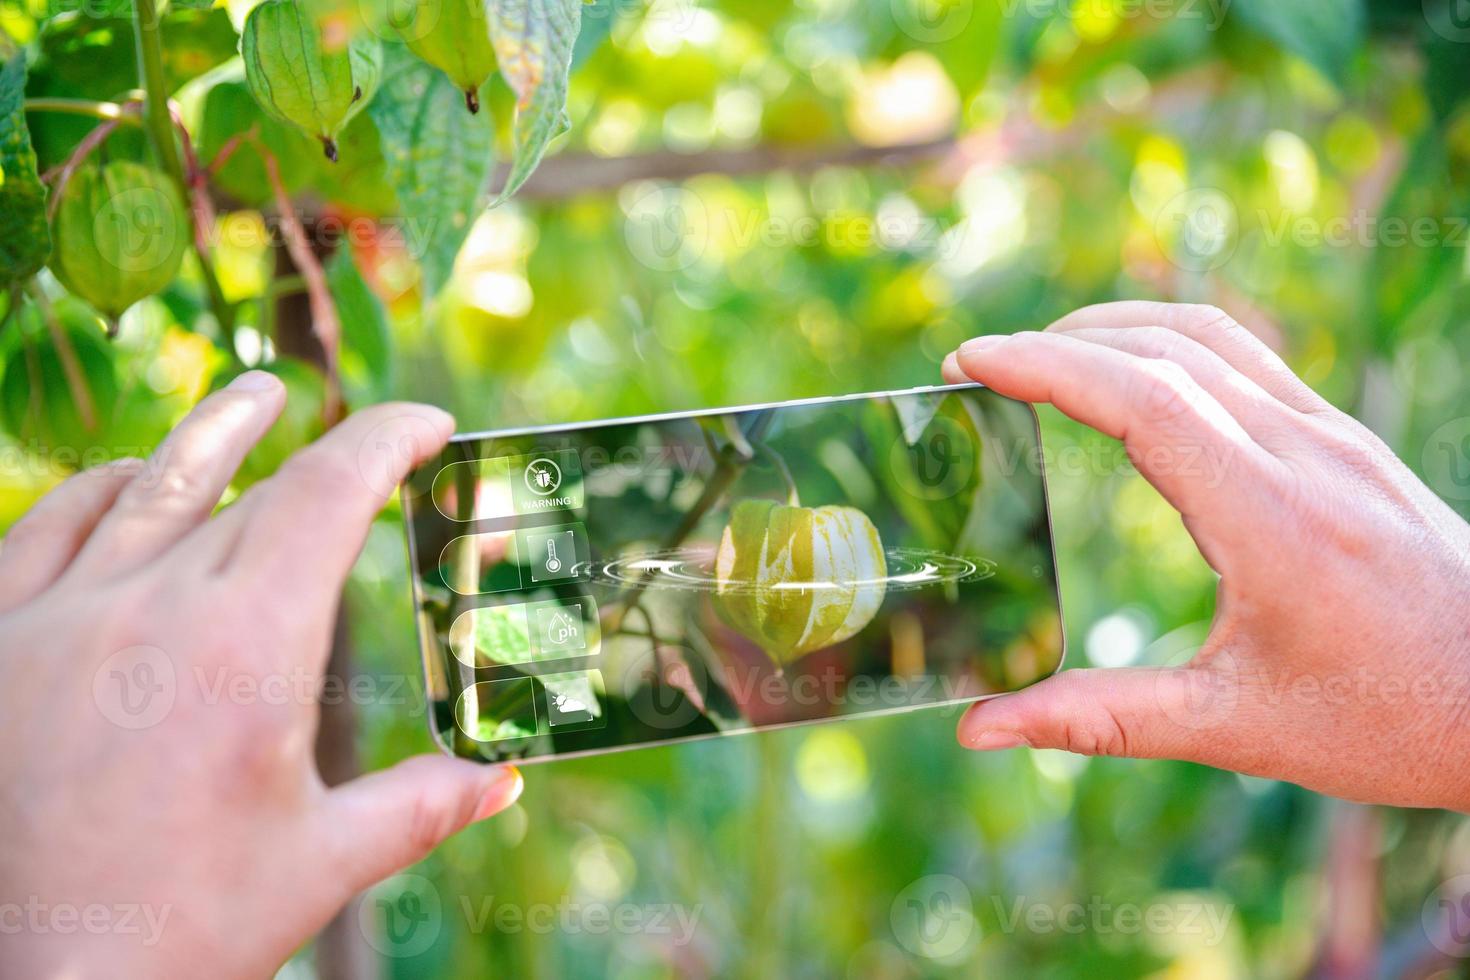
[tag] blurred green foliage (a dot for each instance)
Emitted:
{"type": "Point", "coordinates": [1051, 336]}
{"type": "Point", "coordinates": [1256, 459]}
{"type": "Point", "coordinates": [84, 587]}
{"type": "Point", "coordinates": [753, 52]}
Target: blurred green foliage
{"type": "Point", "coordinates": [768, 200]}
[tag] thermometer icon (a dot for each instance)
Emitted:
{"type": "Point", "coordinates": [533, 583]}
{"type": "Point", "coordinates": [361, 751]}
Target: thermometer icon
{"type": "Point", "coordinates": [553, 563]}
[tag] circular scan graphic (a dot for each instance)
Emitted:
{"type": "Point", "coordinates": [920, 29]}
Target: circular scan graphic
{"type": "Point", "coordinates": [693, 569]}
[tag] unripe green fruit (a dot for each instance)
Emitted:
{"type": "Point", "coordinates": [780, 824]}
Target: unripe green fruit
{"type": "Point", "coordinates": [296, 76]}
{"type": "Point", "coordinates": [796, 579]}
{"type": "Point", "coordinates": [120, 233]}
{"type": "Point", "coordinates": [452, 35]}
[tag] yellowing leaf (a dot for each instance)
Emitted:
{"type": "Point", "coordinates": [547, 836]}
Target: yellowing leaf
{"type": "Point", "coordinates": [534, 41]}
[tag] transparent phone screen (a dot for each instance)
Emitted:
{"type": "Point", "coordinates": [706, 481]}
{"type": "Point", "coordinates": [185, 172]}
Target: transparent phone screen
{"type": "Point", "coordinates": [597, 588]}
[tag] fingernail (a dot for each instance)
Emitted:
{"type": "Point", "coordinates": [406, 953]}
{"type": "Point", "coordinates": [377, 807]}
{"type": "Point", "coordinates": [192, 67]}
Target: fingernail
{"type": "Point", "coordinates": [993, 740]}
{"type": "Point", "coordinates": [501, 794]}
{"type": "Point", "coordinates": [978, 344]}
{"type": "Point", "coordinates": [255, 381]}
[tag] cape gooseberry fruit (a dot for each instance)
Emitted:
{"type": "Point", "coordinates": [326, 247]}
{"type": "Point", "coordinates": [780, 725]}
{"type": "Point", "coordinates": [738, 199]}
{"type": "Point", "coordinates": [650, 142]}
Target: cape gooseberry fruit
{"type": "Point", "coordinates": [120, 231]}
{"type": "Point", "coordinates": [299, 76]}
{"type": "Point", "coordinates": [453, 36]}
{"type": "Point", "coordinates": [796, 579]}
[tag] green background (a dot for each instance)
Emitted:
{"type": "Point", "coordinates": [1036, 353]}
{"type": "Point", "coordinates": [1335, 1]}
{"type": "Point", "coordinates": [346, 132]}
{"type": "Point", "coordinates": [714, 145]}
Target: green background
{"type": "Point", "coordinates": [765, 200]}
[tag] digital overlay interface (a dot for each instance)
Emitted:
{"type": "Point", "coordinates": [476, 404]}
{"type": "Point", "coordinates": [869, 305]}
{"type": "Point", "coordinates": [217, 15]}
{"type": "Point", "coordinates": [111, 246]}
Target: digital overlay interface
{"type": "Point", "coordinates": [601, 587]}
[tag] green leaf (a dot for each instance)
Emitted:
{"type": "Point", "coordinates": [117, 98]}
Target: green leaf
{"type": "Point", "coordinates": [597, 22]}
{"type": "Point", "coordinates": [1325, 33]}
{"type": "Point", "coordinates": [25, 240]}
{"type": "Point", "coordinates": [502, 635]}
{"type": "Point", "coordinates": [534, 41]}
{"type": "Point", "coordinates": [356, 181]}
{"type": "Point", "coordinates": [367, 345]}
{"type": "Point", "coordinates": [438, 159]}
{"type": "Point", "coordinates": [1411, 283]}
{"type": "Point", "coordinates": [1446, 66]}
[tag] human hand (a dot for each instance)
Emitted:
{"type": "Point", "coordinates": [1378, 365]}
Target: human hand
{"type": "Point", "coordinates": [202, 813]}
{"type": "Point", "coordinates": [1339, 656]}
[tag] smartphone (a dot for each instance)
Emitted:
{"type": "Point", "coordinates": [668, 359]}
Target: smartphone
{"type": "Point", "coordinates": [611, 585]}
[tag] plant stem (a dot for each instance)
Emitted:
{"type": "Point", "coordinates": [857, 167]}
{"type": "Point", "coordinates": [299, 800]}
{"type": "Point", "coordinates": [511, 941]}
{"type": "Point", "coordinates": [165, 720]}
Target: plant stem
{"type": "Point", "coordinates": [71, 367]}
{"type": "Point", "coordinates": [159, 124]}
{"type": "Point", "coordinates": [122, 112]}
{"type": "Point", "coordinates": [793, 496]}
{"type": "Point", "coordinates": [148, 34]}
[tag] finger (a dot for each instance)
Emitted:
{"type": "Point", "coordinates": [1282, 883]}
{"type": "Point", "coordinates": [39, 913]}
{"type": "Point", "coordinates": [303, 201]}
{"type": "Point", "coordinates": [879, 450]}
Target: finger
{"type": "Point", "coordinates": [951, 371]}
{"type": "Point", "coordinates": [1136, 712]}
{"type": "Point", "coordinates": [383, 822]}
{"type": "Point", "coordinates": [1267, 420]}
{"type": "Point", "coordinates": [1179, 437]}
{"type": "Point", "coordinates": [303, 528]}
{"type": "Point", "coordinates": [186, 476]}
{"type": "Point", "coordinates": [42, 544]}
{"type": "Point", "coordinates": [1210, 327]}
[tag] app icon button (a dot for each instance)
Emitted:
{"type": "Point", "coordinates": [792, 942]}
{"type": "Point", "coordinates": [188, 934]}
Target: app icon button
{"type": "Point", "coordinates": [560, 629]}
{"type": "Point", "coordinates": [572, 700]}
{"type": "Point", "coordinates": [557, 553]}
{"type": "Point", "coordinates": [543, 476]}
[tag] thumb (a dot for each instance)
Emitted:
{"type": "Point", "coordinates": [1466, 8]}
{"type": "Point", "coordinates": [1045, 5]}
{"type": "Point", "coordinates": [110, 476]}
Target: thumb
{"type": "Point", "coordinates": [1139, 712]}
{"type": "Point", "coordinates": [383, 822]}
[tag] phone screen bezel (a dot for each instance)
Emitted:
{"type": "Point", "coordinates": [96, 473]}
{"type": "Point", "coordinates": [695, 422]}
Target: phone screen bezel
{"type": "Point", "coordinates": [427, 649]}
